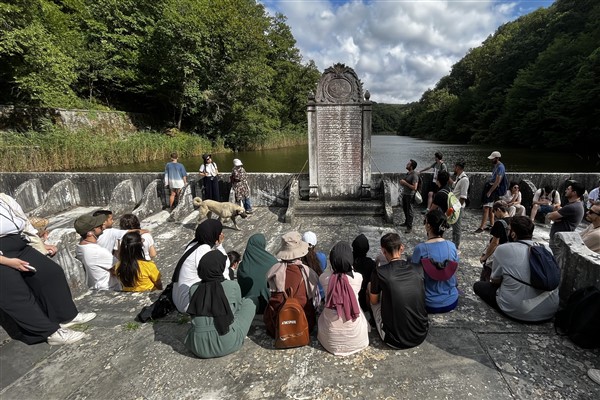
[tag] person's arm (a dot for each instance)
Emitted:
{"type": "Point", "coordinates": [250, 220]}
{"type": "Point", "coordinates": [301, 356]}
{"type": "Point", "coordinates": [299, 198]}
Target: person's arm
{"type": "Point", "coordinates": [152, 251]}
{"type": "Point", "coordinates": [490, 249]}
{"type": "Point", "coordinates": [555, 215]}
{"type": "Point", "coordinates": [495, 185]}
{"type": "Point", "coordinates": [15, 263]}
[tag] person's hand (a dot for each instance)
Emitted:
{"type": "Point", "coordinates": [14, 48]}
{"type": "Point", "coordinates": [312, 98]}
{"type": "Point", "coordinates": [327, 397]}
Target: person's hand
{"type": "Point", "coordinates": [15, 263]}
{"type": "Point", "coordinates": [51, 249]}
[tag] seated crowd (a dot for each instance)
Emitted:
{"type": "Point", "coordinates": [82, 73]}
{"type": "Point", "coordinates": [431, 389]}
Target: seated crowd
{"type": "Point", "coordinates": [341, 299]}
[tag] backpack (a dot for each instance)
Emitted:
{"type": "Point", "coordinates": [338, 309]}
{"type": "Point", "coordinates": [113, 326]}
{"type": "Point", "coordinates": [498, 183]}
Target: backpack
{"type": "Point", "coordinates": [580, 319]}
{"type": "Point", "coordinates": [543, 269]}
{"type": "Point", "coordinates": [292, 325]}
{"type": "Point", "coordinates": [454, 206]}
{"type": "Point", "coordinates": [160, 308]}
{"type": "Point", "coordinates": [418, 198]}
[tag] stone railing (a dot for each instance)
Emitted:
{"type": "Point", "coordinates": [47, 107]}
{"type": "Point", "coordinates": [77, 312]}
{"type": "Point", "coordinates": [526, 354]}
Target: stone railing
{"type": "Point", "coordinates": [580, 266]}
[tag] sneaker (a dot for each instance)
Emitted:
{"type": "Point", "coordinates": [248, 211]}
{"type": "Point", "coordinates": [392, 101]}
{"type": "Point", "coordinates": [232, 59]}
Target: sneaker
{"type": "Point", "coordinates": [64, 336]}
{"type": "Point", "coordinates": [479, 230]}
{"type": "Point", "coordinates": [249, 211]}
{"type": "Point", "coordinates": [80, 318]}
{"type": "Point", "coordinates": [594, 375]}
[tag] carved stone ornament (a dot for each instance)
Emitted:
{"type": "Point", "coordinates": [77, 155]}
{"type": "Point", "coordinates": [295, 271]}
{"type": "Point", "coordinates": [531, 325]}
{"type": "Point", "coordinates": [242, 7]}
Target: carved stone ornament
{"type": "Point", "coordinates": [339, 84]}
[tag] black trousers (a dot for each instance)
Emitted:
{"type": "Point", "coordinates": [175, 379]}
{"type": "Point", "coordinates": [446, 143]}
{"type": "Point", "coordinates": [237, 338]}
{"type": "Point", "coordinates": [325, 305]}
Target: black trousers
{"type": "Point", "coordinates": [32, 304]}
{"type": "Point", "coordinates": [487, 292]}
{"type": "Point", "coordinates": [407, 206]}
{"type": "Point", "coordinates": [211, 188]}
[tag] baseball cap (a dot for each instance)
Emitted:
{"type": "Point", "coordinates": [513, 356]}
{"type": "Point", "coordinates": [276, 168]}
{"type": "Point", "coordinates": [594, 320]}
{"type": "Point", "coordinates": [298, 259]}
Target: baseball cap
{"type": "Point", "coordinates": [495, 154]}
{"type": "Point", "coordinates": [86, 223]}
{"type": "Point", "coordinates": [310, 238]}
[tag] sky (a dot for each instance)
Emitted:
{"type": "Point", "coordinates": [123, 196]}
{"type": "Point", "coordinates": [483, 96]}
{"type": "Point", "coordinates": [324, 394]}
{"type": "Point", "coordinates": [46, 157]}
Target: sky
{"type": "Point", "coordinates": [398, 48]}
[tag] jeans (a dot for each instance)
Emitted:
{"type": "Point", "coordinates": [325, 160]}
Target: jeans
{"type": "Point", "coordinates": [247, 204]}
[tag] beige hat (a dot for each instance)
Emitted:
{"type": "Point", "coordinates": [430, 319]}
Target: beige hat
{"type": "Point", "coordinates": [292, 246]}
{"type": "Point", "coordinates": [495, 154]}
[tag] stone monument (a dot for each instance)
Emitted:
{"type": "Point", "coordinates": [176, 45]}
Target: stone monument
{"type": "Point", "coordinates": [339, 136]}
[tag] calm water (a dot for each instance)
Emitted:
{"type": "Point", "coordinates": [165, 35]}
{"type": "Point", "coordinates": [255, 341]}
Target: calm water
{"type": "Point", "coordinates": [390, 154]}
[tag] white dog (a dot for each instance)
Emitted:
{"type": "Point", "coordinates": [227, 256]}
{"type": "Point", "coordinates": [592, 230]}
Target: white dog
{"type": "Point", "coordinates": [224, 210]}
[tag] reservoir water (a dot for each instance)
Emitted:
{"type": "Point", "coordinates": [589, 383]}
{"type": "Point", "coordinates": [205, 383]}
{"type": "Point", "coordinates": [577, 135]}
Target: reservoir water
{"type": "Point", "coordinates": [390, 154]}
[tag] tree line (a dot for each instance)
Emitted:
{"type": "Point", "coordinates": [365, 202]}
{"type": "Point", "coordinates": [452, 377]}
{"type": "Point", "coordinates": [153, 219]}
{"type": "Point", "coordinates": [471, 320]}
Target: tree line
{"type": "Point", "coordinates": [220, 68]}
{"type": "Point", "coordinates": [534, 83]}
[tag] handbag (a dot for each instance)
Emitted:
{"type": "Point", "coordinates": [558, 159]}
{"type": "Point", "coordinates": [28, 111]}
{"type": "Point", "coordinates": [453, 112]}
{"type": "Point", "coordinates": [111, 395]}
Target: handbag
{"type": "Point", "coordinates": [418, 198]}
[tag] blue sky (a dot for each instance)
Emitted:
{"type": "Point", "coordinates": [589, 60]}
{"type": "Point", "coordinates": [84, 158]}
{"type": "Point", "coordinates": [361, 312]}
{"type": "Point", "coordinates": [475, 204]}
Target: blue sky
{"type": "Point", "coordinates": [398, 48]}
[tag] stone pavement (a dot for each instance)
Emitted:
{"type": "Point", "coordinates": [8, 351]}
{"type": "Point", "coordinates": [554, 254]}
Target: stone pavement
{"type": "Point", "coordinates": [472, 352]}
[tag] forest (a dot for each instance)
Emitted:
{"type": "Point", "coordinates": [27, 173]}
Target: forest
{"type": "Point", "coordinates": [222, 69]}
{"type": "Point", "coordinates": [534, 83]}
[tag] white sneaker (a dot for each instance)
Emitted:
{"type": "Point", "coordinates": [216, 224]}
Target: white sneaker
{"type": "Point", "coordinates": [594, 375]}
{"type": "Point", "coordinates": [64, 336]}
{"type": "Point", "coordinates": [80, 318]}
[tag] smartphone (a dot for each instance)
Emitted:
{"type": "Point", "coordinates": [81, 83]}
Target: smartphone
{"type": "Point", "coordinates": [31, 268]}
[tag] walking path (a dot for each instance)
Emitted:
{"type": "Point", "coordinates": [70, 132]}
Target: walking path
{"type": "Point", "coordinates": [472, 352]}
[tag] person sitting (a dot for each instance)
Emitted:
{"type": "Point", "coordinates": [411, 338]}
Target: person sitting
{"type": "Point", "coordinates": [545, 200]}
{"type": "Point", "coordinates": [506, 291]}
{"type": "Point", "coordinates": [252, 272]}
{"type": "Point", "coordinates": [316, 260]}
{"type": "Point", "coordinates": [135, 273]}
{"type": "Point", "coordinates": [499, 234]}
{"type": "Point", "coordinates": [130, 222]}
{"type": "Point", "coordinates": [234, 262]}
{"type": "Point", "coordinates": [35, 300]}
{"type": "Point", "coordinates": [593, 196]}
{"type": "Point", "coordinates": [221, 318]}
{"type": "Point", "coordinates": [208, 236]}
{"type": "Point", "coordinates": [591, 234]}
{"type": "Point", "coordinates": [290, 273]}
{"type": "Point", "coordinates": [513, 200]}
{"type": "Point", "coordinates": [343, 327]}
{"type": "Point", "coordinates": [397, 296]}
{"type": "Point", "coordinates": [441, 293]}
{"type": "Point", "coordinates": [110, 236]}
{"type": "Point", "coordinates": [363, 265]}
{"type": "Point", "coordinates": [97, 260]}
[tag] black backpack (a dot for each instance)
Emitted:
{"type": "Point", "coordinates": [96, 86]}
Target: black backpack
{"type": "Point", "coordinates": [544, 271]}
{"type": "Point", "coordinates": [580, 319]}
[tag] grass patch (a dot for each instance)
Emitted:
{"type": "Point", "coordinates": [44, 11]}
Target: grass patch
{"type": "Point", "coordinates": [131, 326]}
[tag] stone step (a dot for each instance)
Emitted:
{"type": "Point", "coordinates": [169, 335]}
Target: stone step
{"type": "Point", "coordinates": [339, 207]}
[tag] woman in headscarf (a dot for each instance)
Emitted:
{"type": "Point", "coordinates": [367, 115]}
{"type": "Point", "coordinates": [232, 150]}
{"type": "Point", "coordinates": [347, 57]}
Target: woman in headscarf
{"type": "Point", "coordinates": [364, 265]}
{"type": "Point", "coordinates": [221, 318]}
{"type": "Point", "coordinates": [343, 327]}
{"type": "Point", "coordinates": [252, 272]}
{"type": "Point", "coordinates": [290, 273]}
{"type": "Point", "coordinates": [208, 236]}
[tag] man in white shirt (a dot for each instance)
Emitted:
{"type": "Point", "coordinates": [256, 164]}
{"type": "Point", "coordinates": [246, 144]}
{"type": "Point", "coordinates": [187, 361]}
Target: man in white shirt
{"type": "Point", "coordinates": [111, 237]}
{"type": "Point", "coordinates": [594, 196]}
{"type": "Point", "coordinates": [97, 260]}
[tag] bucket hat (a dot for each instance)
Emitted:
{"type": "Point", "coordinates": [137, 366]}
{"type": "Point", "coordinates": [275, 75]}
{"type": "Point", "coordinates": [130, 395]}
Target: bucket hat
{"type": "Point", "coordinates": [292, 246]}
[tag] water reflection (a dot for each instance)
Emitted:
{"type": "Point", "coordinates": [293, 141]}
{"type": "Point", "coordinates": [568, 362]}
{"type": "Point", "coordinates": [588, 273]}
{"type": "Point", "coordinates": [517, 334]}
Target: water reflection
{"type": "Point", "coordinates": [390, 154]}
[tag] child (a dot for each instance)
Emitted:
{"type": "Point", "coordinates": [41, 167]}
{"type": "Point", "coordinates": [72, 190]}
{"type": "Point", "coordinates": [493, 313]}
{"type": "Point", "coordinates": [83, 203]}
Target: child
{"type": "Point", "coordinates": [135, 273]}
{"type": "Point", "coordinates": [234, 262]}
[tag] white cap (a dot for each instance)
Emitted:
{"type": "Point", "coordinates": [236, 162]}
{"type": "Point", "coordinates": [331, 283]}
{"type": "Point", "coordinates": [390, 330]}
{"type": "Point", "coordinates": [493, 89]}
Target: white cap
{"type": "Point", "coordinates": [237, 162]}
{"type": "Point", "coordinates": [310, 238]}
{"type": "Point", "coordinates": [495, 154]}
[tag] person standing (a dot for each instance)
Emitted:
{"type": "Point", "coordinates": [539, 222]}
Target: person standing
{"type": "Point", "coordinates": [175, 179]}
{"type": "Point", "coordinates": [460, 188]}
{"type": "Point", "coordinates": [409, 183]}
{"type": "Point", "coordinates": [493, 190]}
{"type": "Point", "coordinates": [438, 165]}
{"type": "Point", "coordinates": [209, 173]}
{"type": "Point", "coordinates": [239, 184]}
{"type": "Point", "coordinates": [397, 296]}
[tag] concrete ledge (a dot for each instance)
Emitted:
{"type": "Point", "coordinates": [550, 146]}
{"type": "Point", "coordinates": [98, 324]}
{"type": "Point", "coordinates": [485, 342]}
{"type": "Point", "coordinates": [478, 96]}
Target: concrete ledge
{"type": "Point", "coordinates": [125, 197]}
{"type": "Point", "coordinates": [30, 195]}
{"type": "Point", "coordinates": [580, 266]}
{"type": "Point", "coordinates": [388, 213]}
{"type": "Point", "coordinates": [60, 197]}
{"type": "Point", "coordinates": [152, 200]}
{"type": "Point", "coordinates": [294, 197]}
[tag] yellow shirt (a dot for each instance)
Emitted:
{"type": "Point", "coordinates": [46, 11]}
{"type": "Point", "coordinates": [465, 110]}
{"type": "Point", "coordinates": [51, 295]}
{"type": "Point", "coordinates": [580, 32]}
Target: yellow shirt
{"type": "Point", "coordinates": [147, 278]}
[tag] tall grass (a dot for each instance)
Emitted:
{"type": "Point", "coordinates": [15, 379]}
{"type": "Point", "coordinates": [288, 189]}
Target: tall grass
{"type": "Point", "coordinates": [57, 149]}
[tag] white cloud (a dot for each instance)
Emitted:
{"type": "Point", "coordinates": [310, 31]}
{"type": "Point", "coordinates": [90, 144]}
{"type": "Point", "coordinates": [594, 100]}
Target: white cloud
{"type": "Point", "coordinates": [398, 48]}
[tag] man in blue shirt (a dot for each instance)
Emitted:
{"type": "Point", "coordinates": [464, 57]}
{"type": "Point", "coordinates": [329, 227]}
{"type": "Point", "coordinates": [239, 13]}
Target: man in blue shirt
{"type": "Point", "coordinates": [175, 178]}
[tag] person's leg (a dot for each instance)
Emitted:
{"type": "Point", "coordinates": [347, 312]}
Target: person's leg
{"type": "Point", "coordinates": [376, 310]}
{"type": "Point", "coordinates": [491, 213]}
{"type": "Point", "coordinates": [171, 198]}
{"type": "Point", "coordinates": [487, 292]}
{"type": "Point", "coordinates": [247, 204]}
{"type": "Point", "coordinates": [216, 196]}
{"type": "Point", "coordinates": [429, 200]}
{"type": "Point", "coordinates": [409, 212]}
{"type": "Point", "coordinates": [457, 228]}
{"type": "Point", "coordinates": [207, 188]}
{"type": "Point", "coordinates": [534, 211]}
{"type": "Point", "coordinates": [484, 217]}
{"type": "Point", "coordinates": [241, 324]}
